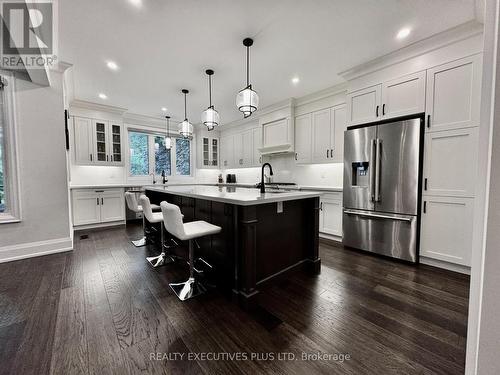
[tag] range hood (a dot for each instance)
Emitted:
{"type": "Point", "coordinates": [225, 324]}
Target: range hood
{"type": "Point", "coordinates": [277, 128]}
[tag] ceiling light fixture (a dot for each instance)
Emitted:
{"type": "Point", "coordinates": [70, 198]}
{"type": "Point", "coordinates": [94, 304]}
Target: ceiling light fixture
{"type": "Point", "coordinates": [185, 127]}
{"type": "Point", "coordinates": [247, 99]}
{"type": "Point", "coordinates": [164, 109]}
{"type": "Point", "coordinates": [103, 96]}
{"type": "Point", "coordinates": [112, 65]}
{"type": "Point", "coordinates": [403, 33]}
{"type": "Point", "coordinates": [210, 117]}
{"type": "Point", "coordinates": [168, 140]}
{"type": "Point", "coordinates": [137, 3]}
{"type": "Point", "coordinates": [295, 80]}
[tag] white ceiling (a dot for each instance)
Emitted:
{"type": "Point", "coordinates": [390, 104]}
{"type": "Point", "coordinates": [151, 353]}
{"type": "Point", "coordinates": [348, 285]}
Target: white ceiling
{"type": "Point", "coordinates": [164, 46]}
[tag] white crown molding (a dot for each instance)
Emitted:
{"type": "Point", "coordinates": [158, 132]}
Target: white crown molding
{"type": "Point", "coordinates": [82, 104]}
{"type": "Point", "coordinates": [138, 119]}
{"type": "Point", "coordinates": [340, 88]}
{"type": "Point", "coordinates": [447, 37]}
{"type": "Point", "coordinates": [287, 103]}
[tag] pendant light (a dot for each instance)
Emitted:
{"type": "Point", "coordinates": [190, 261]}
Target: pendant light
{"type": "Point", "coordinates": [247, 99]}
{"type": "Point", "coordinates": [185, 127]}
{"type": "Point", "coordinates": [168, 139]}
{"type": "Point", "coordinates": [210, 117]}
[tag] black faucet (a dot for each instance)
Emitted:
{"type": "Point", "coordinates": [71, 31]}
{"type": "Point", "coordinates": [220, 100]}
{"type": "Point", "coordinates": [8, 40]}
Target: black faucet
{"type": "Point", "coordinates": [262, 184]}
{"type": "Point", "coordinates": [164, 178]}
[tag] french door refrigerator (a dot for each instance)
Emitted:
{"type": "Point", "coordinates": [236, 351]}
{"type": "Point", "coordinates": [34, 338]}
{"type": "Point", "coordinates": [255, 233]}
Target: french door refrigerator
{"type": "Point", "coordinates": [381, 201]}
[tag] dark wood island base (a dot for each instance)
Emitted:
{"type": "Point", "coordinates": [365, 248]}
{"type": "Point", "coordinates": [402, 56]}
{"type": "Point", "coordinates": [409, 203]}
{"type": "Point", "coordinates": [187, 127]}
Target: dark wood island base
{"type": "Point", "coordinates": [258, 245]}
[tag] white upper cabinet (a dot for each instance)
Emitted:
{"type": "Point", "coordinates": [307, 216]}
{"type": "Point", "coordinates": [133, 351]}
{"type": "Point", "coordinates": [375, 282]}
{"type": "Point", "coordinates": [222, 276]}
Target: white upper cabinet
{"type": "Point", "coordinates": [319, 136]}
{"type": "Point", "coordinates": [83, 140]}
{"type": "Point", "coordinates": [323, 134]}
{"type": "Point", "coordinates": [247, 148]}
{"type": "Point", "coordinates": [364, 105]}
{"type": "Point", "coordinates": [208, 150]}
{"type": "Point", "coordinates": [227, 151]}
{"type": "Point", "coordinates": [97, 142]}
{"type": "Point", "coordinates": [238, 149]}
{"type": "Point", "coordinates": [257, 144]}
{"type": "Point", "coordinates": [454, 94]}
{"type": "Point", "coordinates": [450, 164]}
{"type": "Point", "coordinates": [403, 96]}
{"type": "Point", "coordinates": [275, 133]}
{"type": "Point", "coordinates": [303, 138]}
{"type": "Point", "coordinates": [398, 97]}
{"type": "Point", "coordinates": [447, 226]}
{"type": "Point", "coordinates": [338, 116]}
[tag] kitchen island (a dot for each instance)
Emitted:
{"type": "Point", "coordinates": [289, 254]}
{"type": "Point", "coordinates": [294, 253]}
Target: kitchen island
{"type": "Point", "coordinates": [264, 236]}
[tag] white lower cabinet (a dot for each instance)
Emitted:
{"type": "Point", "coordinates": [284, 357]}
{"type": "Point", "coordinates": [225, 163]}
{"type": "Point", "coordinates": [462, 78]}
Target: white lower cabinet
{"type": "Point", "coordinates": [330, 214]}
{"type": "Point", "coordinates": [446, 229]}
{"type": "Point", "coordinates": [94, 206]}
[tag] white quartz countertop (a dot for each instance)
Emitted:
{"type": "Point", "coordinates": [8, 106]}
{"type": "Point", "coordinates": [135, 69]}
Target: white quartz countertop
{"type": "Point", "coordinates": [234, 195]}
{"type": "Point", "coordinates": [241, 185]}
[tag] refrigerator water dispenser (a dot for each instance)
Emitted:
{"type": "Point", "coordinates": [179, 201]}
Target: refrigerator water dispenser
{"type": "Point", "coordinates": [360, 174]}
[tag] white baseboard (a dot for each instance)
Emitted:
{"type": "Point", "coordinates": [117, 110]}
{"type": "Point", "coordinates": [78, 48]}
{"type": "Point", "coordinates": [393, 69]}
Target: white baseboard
{"type": "Point", "coordinates": [445, 265]}
{"type": "Point", "coordinates": [35, 249]}
{"type": "Point", "coordinates": [99, 225]}
{"type": "Point", "coordinates": [330, 237]}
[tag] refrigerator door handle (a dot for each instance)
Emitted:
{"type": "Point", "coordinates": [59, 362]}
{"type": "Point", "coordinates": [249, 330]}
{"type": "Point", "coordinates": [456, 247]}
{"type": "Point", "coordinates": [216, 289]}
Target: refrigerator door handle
{"type": "Point", "coordinates": [379, 216]}
{"type": "Point", "coordinates": [373, 157]}
{"type": "Point", "coordinates": [378, 151]}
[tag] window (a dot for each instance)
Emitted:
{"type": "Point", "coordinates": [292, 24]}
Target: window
{"type": "Point", "coordinates": [162, 157]}
{"type": "Point", "coordinates": [183, 156]}
{"type": "Point", "coordinates": [9, 186]}
{"type": "Point", "coordinates": [139, 155]}
{"type": "Point", "coordinates": [149, 155]}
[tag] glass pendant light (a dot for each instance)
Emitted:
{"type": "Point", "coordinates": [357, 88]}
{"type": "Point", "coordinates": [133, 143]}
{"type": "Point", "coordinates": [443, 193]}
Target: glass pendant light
{"type": "Point", "coordinates": [185, 127]}
{"type": "Point", "coordinates": [247, 99]}
{"type": "Point", "coordinates": [168, 139]}
{"type": "Point", "coordinates": [210, 117]}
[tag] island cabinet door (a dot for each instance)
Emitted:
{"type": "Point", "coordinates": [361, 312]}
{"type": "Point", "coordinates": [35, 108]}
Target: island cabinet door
{"type": "Point", "coordinates": [222, 252]}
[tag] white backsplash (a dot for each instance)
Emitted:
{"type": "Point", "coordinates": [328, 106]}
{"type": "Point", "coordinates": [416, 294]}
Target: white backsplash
{"type": "Point", "coordinates": [286, 170]}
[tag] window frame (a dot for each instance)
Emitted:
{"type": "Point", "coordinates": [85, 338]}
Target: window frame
{"type": "Point", "coordinates": [11, 172]}
{"type": "Point", "coordinates": [153, 132]}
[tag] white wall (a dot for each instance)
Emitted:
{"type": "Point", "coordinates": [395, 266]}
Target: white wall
{"type": "Point", "coordinates": [43, 177]}
{"type": "Point", "coordinates": [286, 170]}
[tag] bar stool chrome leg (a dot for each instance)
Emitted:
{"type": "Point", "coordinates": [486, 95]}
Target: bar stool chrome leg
{"type": "Point", "coordinates": [190, 288]}
{"type": "Point", "coordinates": [163, 258]}
{"type": "Point", "coordinates": [142, 241]}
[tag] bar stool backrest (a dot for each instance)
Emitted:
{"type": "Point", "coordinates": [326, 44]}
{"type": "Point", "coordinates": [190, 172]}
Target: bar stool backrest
{"type": "Point", "coordinates": [146, 208]}
{"type": "Point", "coordinates": [131, 200]}
{"type": "Point", "coordinates": [172, 218]}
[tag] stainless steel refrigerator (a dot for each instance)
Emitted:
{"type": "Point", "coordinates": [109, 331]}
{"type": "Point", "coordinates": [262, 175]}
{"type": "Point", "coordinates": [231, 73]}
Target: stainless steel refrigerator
{"type": "Point", "coordinates": [382, 188]}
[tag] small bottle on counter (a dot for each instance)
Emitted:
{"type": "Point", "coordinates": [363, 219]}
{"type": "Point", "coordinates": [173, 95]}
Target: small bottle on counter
{"type": "Point", "coordinates": [220, 178]}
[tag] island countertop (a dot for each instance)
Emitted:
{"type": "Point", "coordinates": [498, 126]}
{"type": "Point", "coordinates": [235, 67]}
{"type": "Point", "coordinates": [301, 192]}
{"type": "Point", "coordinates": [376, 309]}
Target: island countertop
{"type": "Point", "coordinates": [234, 195]}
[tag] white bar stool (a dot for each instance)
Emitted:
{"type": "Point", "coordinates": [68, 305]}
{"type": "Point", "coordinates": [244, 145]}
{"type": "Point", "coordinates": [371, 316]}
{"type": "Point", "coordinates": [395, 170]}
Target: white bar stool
{"type": "Point", "coordinates": [131, 199]}
{"type": "Point", "coordinates": [153, 218]}
{"type": "Point", "coordinates": [172, 219]}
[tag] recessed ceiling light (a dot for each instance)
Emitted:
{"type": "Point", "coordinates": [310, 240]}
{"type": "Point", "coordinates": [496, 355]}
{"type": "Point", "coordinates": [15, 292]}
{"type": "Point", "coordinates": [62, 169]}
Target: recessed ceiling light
{"type": "Point", "coordinates": [164, 109]}
{"type": "Point", "coordinates": [295, 80]}
{"type": "Point", "coordinates": [103, 96]}
{"type": "Point", "coordinates": [112, 65]}
{"type": "Point", "coordinates": [403, 33]}
{"type": "Point", "coordinates": [137, 3]}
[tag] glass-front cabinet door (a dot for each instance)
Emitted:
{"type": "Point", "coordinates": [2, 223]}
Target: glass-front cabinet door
{"type": "Point", "coordinates": [116, 144]}
{"type": "Point", "coordinates": [100, 131]}
{"type": "Point", "coordinates": [206, 152]}
{"type": "Point", "coordinates": [215, 152]}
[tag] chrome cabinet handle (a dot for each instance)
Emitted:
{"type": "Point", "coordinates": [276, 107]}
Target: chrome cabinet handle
{"type": "Point", "coordinates": [111, 157]}
{"type": "Point", "coordinates": [90, 157]}
{"type": "Point", "coordinates": [376, 112]}
{"type": "Point", "coordinates": [327, 152]}
{"type": "Point", "coordinates": [102, 201]}
{"type": "Point", "coordinates": [383, 109]}
{"type": "Point", "coordinates": [428, 121]}
{"type": "Point", "coordinates": [321, 206]}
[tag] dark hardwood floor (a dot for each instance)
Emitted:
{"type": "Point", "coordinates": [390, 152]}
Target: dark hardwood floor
{"type": "Point", "coordinates": [101, 309]}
